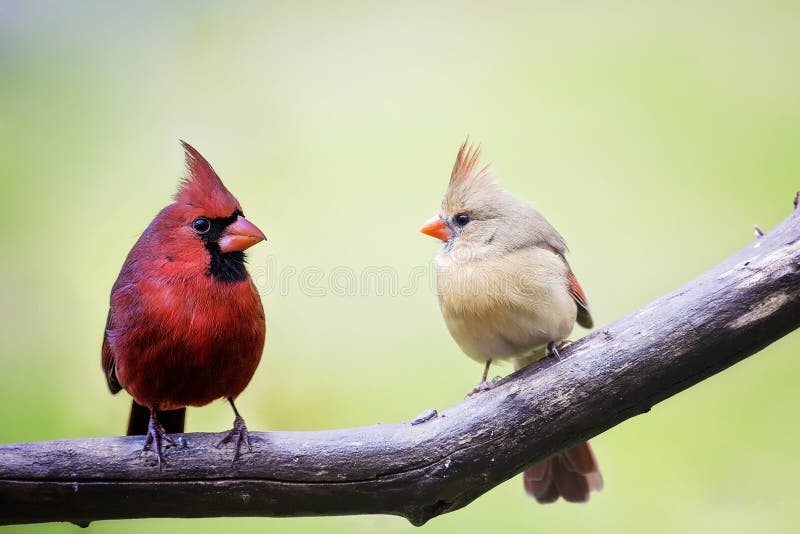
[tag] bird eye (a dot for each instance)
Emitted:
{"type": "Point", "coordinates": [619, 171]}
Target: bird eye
{"type": "Point", "coordinates": [462, 219]}
{"type": "Point", "coordinates": [201, 225]}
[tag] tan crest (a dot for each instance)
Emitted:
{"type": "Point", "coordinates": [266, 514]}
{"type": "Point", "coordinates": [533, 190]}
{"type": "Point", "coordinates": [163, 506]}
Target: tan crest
{"type": "Point", "coordinates": [467, 164]}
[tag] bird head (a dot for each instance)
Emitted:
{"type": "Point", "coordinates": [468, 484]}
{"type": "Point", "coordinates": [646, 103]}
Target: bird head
{"type": "Point", "coordinates": [206, 222]}
{"type": "Point", "coordinates": [479, 216]}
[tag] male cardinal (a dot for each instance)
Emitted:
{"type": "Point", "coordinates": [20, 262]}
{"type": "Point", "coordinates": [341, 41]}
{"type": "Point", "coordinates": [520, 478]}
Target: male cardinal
{"type": "Point", "coordinates": [507, 292]}
{"type": "Point", "coordinates": [186, 324]}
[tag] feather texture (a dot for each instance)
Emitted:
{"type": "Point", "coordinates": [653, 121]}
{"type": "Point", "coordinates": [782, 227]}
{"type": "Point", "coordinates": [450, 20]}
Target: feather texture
{"type": "Point", "coordinates": [203, 188]}
{"type": "Point", "coordinates": [572, 474]}
{"type": "Point", "coordinates": [467, 164]}
{"type": "Point", "coordinates": [584, 314]}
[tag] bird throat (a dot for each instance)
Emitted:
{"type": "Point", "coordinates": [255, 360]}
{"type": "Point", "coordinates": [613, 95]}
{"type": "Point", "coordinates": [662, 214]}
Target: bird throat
{"type": "Point", "coordinates": [226, 267]}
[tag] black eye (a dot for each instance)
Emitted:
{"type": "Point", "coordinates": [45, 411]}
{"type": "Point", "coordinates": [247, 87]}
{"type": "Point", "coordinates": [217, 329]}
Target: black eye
{"type": "Point", "coordinates": [201, 225]}
{"type": "Point", "coordinates": [462, 219]}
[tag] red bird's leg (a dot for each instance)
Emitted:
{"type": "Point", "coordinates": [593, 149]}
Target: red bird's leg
{"type": "Point", "coordinates": [155, 436]}
{"type": "Point", "coordinates": [484, 385]}
{"type": "Point", "coordinates": [239, 432]}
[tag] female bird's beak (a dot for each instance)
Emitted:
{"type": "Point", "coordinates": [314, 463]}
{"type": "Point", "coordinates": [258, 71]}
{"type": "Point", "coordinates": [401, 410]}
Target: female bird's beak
{"type": "Point", "coordinates": [239, 235]}
{"type": "Point", "coordinates": [436, 227]}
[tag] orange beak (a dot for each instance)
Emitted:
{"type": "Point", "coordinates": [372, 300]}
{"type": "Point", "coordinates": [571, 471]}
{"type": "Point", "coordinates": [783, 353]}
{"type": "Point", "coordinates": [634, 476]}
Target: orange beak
{"type": "Point", "coordinates": [240, 235]}
{"type": "Point", "coordinates": [436, 227]}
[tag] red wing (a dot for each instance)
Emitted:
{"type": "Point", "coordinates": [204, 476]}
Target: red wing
{"type": "Point", "coordinates": [109, 364]}
{"type": "Point", "coordinates": [575, 289]}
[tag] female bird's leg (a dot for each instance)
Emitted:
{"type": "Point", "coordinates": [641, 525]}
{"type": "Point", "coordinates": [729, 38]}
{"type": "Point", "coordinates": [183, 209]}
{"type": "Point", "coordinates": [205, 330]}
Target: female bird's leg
{"type": "Point", "coordinates": [155, 436]}
{"type": "Point", "coordinates": [552, 350]}
{"type": "Point", "coordinates": [483, 385]}
{"type": "Point", "coordinates": [239, 431]}
{"type": "Point", "coordinates": [485, 372]}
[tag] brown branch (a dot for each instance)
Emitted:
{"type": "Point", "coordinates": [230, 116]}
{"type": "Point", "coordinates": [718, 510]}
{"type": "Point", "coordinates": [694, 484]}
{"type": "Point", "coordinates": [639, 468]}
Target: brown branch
{"type": "Point", "coordinates": [446, 460]}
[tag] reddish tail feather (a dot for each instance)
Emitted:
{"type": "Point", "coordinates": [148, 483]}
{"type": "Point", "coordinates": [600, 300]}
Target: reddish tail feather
{"type": "Point", "coordinates": [572, 474]}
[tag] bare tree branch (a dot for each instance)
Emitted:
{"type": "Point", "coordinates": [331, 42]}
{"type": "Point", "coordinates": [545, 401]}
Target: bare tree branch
{"type": "Point", "coordinates": [440, 462]}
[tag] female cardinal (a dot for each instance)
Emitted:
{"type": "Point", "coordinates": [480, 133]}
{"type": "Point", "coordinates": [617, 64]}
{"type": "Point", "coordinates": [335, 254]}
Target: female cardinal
{"type": "Point", "coordinates": [507, 292]}
{"type": "Point", "coordinates": [186, 324]}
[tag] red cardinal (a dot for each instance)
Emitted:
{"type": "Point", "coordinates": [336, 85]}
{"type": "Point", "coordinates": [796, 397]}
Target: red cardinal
{"type": "Point", "coordinates": [186, 324]}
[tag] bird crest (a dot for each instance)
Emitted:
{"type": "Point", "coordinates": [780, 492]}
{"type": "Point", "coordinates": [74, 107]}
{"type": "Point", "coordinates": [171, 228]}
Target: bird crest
{"type": "Point", "coordinates": [469, 180]}
{"type": "Point", "coordinates": [467, 165]}
{"type": "Point", "coordinates": [203, 188]}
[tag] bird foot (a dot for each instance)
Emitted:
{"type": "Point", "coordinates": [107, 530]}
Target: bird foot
{"type": "Point", "coordinates": [239, 435]}
{"type": "Point", "coordinates": [565, 343]}
{"type": "Point", "coordinates": [553, 348]}
{"type": "Point", "coordinates": [156, 435]}
{"type": "Point", "coordinates": [484, 385]}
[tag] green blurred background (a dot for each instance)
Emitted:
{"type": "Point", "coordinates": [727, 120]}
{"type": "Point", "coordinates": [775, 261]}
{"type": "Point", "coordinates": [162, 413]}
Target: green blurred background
{"type": "Point", "coordinates": [653, 138]}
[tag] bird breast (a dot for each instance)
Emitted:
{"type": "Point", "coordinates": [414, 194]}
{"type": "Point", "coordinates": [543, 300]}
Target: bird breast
{"type": "Point", "coordinates": [507, 306]}
{"type": "Point", "coordinates": [186, 343]}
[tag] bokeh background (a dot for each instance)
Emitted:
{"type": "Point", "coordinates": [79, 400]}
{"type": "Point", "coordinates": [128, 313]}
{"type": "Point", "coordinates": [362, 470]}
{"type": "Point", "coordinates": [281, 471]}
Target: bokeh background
{"type": "Point", "coordinates": [652, 137]}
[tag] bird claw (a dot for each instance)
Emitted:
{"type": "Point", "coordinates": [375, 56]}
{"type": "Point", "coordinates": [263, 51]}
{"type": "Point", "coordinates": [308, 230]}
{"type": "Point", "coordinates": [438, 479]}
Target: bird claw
{"type": "Point", "coordinates": [552, 350]}
{"type": "Point", "coordinates": [155, 436]}
{"type": "Point", "coordinates": [484, 385]}
{"type": "Point", "coordinates": [239, 434]}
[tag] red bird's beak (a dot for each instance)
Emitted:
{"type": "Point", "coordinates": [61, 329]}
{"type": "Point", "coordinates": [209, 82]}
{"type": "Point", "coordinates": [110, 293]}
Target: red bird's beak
{"type": "Point", "coordinates": [239, 235]}
{"type": "Point", "coordinates": [436, 227]}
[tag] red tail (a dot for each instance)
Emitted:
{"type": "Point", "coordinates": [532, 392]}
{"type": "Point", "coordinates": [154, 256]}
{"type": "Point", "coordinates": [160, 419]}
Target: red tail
{"type": "Point", "coordinates": [572, 474]}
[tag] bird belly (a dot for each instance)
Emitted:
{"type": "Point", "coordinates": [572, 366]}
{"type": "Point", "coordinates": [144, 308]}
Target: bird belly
{"type": "Point", "coordinates": [507, 335]}
{"type": "Point", "coordinates": [491, 318]}
{"type": "Point", "coordinates": [189, 355]}
{"type": "Point", "coordinates": [174, 375]}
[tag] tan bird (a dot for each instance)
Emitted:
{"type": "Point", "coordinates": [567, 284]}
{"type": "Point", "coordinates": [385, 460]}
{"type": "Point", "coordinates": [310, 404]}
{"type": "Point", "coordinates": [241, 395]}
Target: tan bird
{"type": "Point", "coordinates": [507, 293]}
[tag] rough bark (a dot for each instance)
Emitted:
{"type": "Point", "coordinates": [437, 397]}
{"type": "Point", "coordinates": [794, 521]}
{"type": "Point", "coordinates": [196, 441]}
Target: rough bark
{"type": "Point", "coordinates": [441, 461]}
